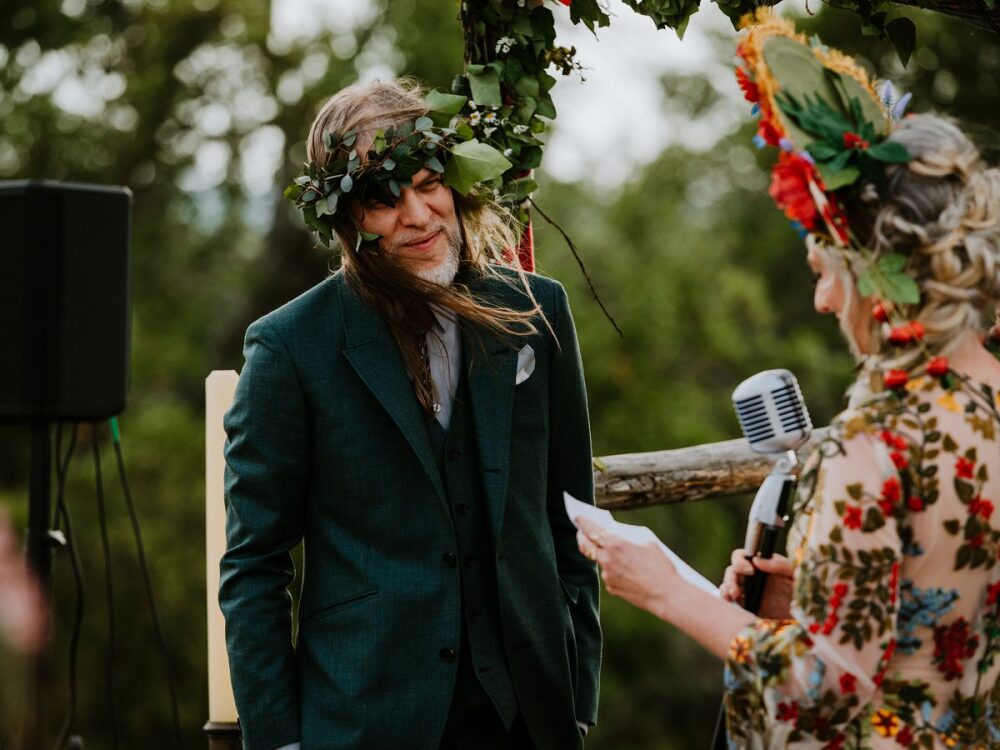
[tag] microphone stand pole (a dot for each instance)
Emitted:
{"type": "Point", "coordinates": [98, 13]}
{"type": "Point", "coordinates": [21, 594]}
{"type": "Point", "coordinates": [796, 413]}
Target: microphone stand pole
{"type": "Point", "coordinates": [768, 515]}
{"type": "Point", "coordinates": [39, 554]}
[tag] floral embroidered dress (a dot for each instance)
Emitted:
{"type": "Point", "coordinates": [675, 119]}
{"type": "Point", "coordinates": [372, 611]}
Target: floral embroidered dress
{"type": "Point", "coordinates": [895, 619]}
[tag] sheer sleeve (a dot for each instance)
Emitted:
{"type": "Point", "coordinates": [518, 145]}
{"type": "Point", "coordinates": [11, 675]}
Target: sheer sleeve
{"type": "Point", "coordinates": [817, 671]}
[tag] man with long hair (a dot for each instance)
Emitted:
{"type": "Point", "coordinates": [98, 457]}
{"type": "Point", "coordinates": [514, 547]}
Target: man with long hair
{"type": "Point", "coordinates": [414, 419]}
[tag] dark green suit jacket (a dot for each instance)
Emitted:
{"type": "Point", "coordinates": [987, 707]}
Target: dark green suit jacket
{"type": "Point", "coordinates": [327, 443]}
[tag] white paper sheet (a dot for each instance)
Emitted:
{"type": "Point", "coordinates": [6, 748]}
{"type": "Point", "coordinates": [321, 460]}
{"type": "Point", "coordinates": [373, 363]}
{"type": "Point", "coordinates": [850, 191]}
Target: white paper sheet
{"type": "Point", "coordinates": [636, 534]}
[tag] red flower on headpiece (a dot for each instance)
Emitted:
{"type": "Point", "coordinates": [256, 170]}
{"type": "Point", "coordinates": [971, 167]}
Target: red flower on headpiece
{"type": "Point", "coordinates": [853, 140]}
{"type": "Point", "coordinates": [769, 131]}
{"type": "Point", "coordinates": [790, 180]}
{"type": "Point", "coordinates": [750, 90]}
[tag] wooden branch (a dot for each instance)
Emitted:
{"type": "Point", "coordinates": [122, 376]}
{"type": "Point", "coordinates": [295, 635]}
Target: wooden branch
{"type": "Point", "coordinates": [635, 480]}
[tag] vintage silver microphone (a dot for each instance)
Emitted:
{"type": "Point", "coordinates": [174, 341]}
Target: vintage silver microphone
{"type": "Point", "coordinates": [775, 421]}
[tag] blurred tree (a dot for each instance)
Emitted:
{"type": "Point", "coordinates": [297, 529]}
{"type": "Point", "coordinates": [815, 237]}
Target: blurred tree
{"type": "Point", "coordinates": [201, 107]}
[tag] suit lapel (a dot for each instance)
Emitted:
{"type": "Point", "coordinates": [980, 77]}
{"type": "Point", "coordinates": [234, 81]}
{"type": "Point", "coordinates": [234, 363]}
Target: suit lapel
{"type": "Point", "coordinates": [491, 365]}
{"type": "Point", "coordinates": [374, 355]}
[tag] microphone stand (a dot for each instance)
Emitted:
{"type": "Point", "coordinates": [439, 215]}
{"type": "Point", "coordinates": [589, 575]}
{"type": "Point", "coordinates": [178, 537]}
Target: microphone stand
{"type": "Point", "coordinates": [768, 516]}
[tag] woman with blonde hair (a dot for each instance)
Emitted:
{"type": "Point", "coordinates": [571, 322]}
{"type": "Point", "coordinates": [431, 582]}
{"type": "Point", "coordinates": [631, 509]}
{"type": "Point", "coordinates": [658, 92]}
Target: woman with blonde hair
{"type": "Point", "coordinates": [882, 627]}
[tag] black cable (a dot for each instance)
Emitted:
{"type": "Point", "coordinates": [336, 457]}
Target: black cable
{"type": "Point", "coordinates": [108, 582]}
{"type": "Point", "coordinates": [144, 568]}
{"type": "Point", "coordinates": [63, 514]}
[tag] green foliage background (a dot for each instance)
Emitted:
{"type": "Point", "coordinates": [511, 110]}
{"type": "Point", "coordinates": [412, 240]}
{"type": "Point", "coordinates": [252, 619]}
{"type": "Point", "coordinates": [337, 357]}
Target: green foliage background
{"type": "Point", "coordinates": [701, 272]}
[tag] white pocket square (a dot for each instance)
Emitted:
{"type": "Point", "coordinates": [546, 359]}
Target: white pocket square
{"type": "Point", "coordinates": [525, 364]}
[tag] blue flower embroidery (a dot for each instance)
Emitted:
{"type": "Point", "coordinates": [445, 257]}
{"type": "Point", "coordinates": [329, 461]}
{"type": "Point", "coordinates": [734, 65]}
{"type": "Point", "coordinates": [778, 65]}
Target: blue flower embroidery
{"type": "Point", "coordinates": [920, 608]}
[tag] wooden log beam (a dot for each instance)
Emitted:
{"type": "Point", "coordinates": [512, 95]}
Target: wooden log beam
{"type": "Point", "coordinates": [636, 480]}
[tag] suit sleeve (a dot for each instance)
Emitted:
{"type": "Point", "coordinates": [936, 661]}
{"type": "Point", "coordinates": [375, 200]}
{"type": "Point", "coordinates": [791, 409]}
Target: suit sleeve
{"type": "Point", "coordinates": [571, 470]}
{"type": "Point", "coordinates": [266, 476]}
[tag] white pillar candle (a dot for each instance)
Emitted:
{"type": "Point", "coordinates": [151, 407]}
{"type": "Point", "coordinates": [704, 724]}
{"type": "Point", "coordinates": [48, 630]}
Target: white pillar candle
{"type": "Point", "coordinates": [220, 386]}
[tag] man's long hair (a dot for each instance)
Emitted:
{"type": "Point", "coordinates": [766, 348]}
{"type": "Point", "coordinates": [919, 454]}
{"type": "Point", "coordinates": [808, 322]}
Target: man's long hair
{"type": "Point", "coordinates": [487, 240]}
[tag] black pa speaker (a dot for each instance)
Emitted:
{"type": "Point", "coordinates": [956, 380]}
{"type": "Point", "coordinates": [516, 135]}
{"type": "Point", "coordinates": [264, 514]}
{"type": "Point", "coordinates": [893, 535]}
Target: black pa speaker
{"type": "Point", "coordinates": [64, 300]}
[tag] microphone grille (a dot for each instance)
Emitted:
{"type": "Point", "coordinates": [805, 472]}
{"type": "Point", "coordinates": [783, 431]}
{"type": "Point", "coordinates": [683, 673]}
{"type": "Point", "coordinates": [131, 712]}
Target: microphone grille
{"type": "Point", "coordinates": [772, 412]}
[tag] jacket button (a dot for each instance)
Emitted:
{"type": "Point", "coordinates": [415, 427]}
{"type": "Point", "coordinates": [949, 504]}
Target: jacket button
{"type": "Point", "coordinates": [450, 559]}
{"type": "Point", "coordinates": [447, 654]}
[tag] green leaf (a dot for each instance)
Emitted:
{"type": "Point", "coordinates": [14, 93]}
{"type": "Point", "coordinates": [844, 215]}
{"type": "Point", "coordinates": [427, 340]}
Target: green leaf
{"type": "Point", "coordinates": [898, 287]}
{"type": "Point", "coordinates": [890, 152]}
{"type": "Point", "coordinates": [349, 138]}
{"type": "Point", "coordinates": [484, 80]}
{"type": "Point", "coordinates": [389, 164]}
{"type": "Point", "coordinates": [327, 206]}
{"type": "Point", "coordinates": [834, 179]}
{"type": "Point", "coordinates": [892, 262]}
{"type": "Point", "coordinates": [346, 184]}
{"type": "Point", "coordinates": [866, 283]}
{"type": "Point", "coordinates": [369, 236]}
{"type": "Point", "coordinates": [444, 106]}
{"type": "Point", "coordinates": [423, 123]}
{"type": "Point", "coordinates": [472, 162]}
{"type": "Point", "coordinates": [434, 164]}
{"type": "Point", "coordinates": [394, 188]}
{"type": "Point", "coordinates": [822, 151]}
{"type": "Point", "coordinates": [902, 32]}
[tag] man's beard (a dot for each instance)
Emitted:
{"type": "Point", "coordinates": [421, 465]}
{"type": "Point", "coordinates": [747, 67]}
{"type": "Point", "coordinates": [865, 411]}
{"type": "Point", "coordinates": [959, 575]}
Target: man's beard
{"type": "Point", "coordinates": [446, 269]}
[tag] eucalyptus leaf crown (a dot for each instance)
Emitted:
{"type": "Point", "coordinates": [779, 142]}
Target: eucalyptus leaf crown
{"type": "Point", "coordinates": [438, 141]}
{"type": "Point", "coordinates": [821, 110]}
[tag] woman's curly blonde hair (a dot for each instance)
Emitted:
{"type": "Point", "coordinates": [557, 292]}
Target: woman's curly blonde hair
{"type": "Point", "coordinates": [942, 211]}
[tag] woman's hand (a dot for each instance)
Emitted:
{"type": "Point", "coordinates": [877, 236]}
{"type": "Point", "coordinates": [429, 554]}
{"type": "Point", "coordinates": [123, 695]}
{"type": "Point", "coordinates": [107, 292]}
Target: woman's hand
{"type": "Point", "coordinates": [777, 599]}
{"type": "Point", "coordinates": [639, 573]}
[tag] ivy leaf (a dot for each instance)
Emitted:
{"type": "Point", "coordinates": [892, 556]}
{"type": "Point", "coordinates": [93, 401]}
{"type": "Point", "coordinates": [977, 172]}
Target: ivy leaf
{"type": "Point", "coordinates": [473, 162]}
{"type": "Point", "coordinates": [443, 106]}
{"type": "Point", "coordinates": [484, 80]}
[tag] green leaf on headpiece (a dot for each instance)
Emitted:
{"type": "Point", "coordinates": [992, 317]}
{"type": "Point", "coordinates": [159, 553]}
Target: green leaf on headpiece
{"type": "Point", "coordinates": [814, 100]}
{"type": "Point", "coordinates": [888, 281]}
{"type": "Point", "coordinates": [834, 179]}
{"type": "Point", "coordinates": [890, 152]}
{"type": "Point", "coordinates": [892, 262]}
{"type": "Point", "coordinates": [327, 207]}
{"type": "Point", "coordinates": [434, 164]}
{"type": "Point", "coordinates": [394, 188]}
{"type": "Point", "coordinates": [346, 184]}
{"type": "Point", "coordinates": [349, 138]}
{"type": "Point", "coordinates": [389, 164]}
{"type": "Point", "coordinates": [330, 140]}
{"type": "Point", "coordinates": [472, 162]}
{"type": "Point", "coordinates": [484, 80]}
{"type": "Point", "coordinates": [423, 123]}
{"type": "Point", "coordinates": [369, 236]}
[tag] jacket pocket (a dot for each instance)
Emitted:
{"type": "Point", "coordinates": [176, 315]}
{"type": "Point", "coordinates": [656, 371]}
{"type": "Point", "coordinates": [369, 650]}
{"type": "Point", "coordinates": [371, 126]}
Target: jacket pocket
{"type": "Point", "coordinates": [339, 605]}
{"type": "Point", "coordinates": [572, 592]}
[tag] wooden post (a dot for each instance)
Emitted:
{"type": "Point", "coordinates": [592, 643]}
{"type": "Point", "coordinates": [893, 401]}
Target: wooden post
{"type": "Point", "coordinates": [222, 730]}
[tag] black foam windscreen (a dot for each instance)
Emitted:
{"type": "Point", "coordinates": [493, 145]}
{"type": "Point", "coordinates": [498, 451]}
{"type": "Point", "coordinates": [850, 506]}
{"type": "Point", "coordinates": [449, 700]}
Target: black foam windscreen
{"type": "Point", "coordinates": [64, 299]}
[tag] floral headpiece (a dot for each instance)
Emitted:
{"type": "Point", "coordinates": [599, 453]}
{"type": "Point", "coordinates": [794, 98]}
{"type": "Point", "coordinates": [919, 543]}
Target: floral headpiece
{"type": "Point", "coordinates": [436, 141]}
{"type": "Point", "coordinates": [820, 109]}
